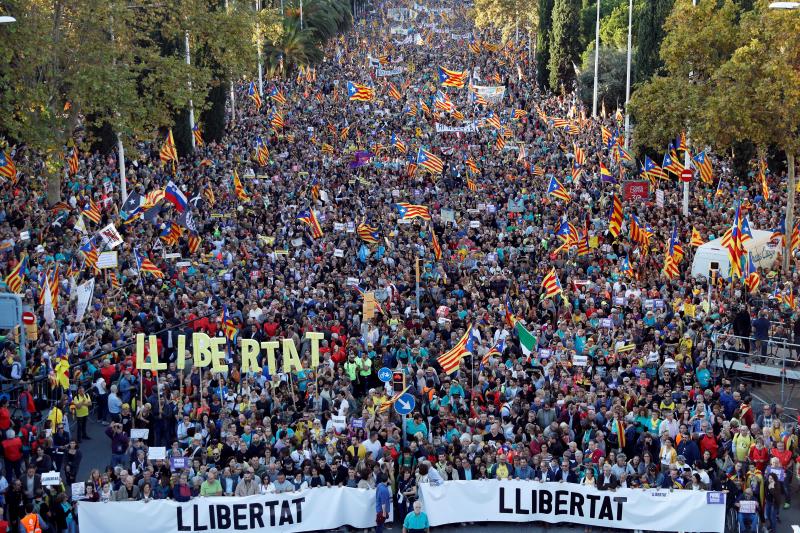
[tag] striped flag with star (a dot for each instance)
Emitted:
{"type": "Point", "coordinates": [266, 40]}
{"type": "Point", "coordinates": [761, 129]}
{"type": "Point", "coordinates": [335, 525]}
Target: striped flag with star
{"type": "Point", "coordinates": [408, 211]}
{"type": "Point", "coordinates": [16, 278]}
{"type": "Point", "coordinates": [143, 264]}
{"type": "Point", "coordinates": [551, 285]}
{"type": "Point", "coordinates": [7, 166]}
{"type": "Point", "coordinates": [168, 151]}
{"type": "Point", "coordinates": [451, 359]}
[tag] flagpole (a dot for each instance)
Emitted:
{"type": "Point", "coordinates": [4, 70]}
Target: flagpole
{"type": "Point", "coordinates": [628, 76]}
{"type": "Point", "coordinates": [191, 104]}
{"type": "Point", "coordinates": [596, 60]}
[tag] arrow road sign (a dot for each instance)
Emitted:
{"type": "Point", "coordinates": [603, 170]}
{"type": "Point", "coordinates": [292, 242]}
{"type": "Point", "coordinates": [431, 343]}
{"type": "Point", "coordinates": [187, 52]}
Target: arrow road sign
{"type": "Point", "coordinates": [405, 404]}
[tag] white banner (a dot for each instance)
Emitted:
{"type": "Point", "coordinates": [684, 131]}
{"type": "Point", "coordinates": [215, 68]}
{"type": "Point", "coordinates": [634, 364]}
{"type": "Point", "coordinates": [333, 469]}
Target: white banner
{"type": "Point", "coordinates": [408, 40]}
{"type": "Point", "coordinates": [399, 30]}
{"type": "Point", "coordinates": [379, 72]}
{"type": "Point", "coordinates": [111, 236]}
{"type": "Point", "coordinates": [85, 292]}
{"type": "Point", "coordinates": [459, 36]}
{"type": "Point", "coordinates": [467, 127]}
{"type": "Point", "coordinates": [317, 509]}
{"type": "Point", "coordinates": [491, 93]}
{"type": "Point", "coordinates": [526, 501]}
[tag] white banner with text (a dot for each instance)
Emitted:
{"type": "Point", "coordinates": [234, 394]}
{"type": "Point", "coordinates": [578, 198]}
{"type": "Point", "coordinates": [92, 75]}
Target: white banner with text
{"type": "Point", "coordinates": [315, 509]}
{"type": "Point", "coordinates": [526, 501]}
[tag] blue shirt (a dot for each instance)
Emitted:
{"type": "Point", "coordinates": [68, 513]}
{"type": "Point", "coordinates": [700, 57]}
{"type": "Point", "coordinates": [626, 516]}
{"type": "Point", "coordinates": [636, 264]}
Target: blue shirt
{"type": "Point", "coordinates": [416, 521]}
{"type": "Point", "coordinates": [383, 498]}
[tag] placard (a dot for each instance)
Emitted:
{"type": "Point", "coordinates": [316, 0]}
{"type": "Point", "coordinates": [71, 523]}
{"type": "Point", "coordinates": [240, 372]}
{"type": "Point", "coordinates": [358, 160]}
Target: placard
{"type": "Point", "coordinates": [155, 453]}
{"type": "Point", "coordinates": [339, 422]}
{"type": "Point", "coordinates": [140, 433]}
{"type": "Point", "coordinates": [338, 226]}
{"type": "Point", "coordinates": [606, 323]}
{"type": "Point", "coordinates": [107, 260]}
{"type": "Point", "coordinates": [447, 215]}
{"type": "Point", "coordinates": [351, 227]}
{"type": "Point", "coordinates": [580, 360]}
{"type": "Point", "coordinates": [338, 253]}
{"type": "Point", "coordinates": [474, 223]}
{"type": "Point", "coordinates": [659, 198]}
{"type": "Point", "coordinates": [179, 463]}
{"type": "Point", "coordinates": [78, 490]}
{"type": "Point", "coordinates": [25, 235]}
{"type": "Point", "coordinates": [51, 478]}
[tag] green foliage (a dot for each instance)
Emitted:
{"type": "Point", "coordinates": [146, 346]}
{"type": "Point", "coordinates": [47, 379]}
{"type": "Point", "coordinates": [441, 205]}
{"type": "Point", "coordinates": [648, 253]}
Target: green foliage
{"type": "Point", "coordinates": [507, 16]}
{"type": "Point", "coordinates": [564, 44]}
{"type": "Point", "coordinates": [611, 78]}
{"type": "Point", "coordinates": [543, 43]}
{"type": "Point", "coordinates": [588, 17]}
{"type": "Point", "coordinates": [614, 27]}
{"type": "Point", "coordinates": [698, 40]}
{"type": "Point", "coordinates": [649, 36]}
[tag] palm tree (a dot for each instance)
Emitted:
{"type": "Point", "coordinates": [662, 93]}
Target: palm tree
{"type": "Point", "coordinates": [293, 48]}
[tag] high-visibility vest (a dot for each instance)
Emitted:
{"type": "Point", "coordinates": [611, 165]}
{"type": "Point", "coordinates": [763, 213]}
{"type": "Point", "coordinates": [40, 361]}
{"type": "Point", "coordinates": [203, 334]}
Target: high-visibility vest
{"type": "Point", "coordinates": [31, 523]}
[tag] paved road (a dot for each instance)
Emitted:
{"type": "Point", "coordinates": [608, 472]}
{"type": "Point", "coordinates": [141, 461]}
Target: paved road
{"type": "Point", "coordinates": [97, 454]}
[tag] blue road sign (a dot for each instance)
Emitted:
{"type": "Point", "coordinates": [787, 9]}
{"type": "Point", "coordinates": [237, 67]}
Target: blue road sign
{"type": "Point", "coordinates": [405, 404]}
{"type": "Point", "coordinates": [385, 374]}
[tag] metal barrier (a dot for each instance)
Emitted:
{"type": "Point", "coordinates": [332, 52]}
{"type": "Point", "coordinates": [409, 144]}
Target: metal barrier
{"type": "Point", "coordinates": [764, 361]}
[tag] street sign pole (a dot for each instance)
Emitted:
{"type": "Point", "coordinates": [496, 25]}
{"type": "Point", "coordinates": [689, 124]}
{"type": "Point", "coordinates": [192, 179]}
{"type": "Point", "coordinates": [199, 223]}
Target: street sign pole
{"type": "Point", "coordinates": [405, 439]}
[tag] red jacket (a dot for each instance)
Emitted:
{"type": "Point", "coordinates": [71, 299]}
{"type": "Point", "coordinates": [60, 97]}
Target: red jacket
{"type": "Point", "coordinates": [12, 449]}
{"type": "Point", "coordinates": [709, 443]}
{"type": "Point", "coordinates": [5, 418]}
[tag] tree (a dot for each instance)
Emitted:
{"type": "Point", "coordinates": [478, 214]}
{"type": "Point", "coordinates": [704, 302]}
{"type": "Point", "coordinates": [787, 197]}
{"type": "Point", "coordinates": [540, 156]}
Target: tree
{"type": "Point", "coordinates": [649, 36]}
{"type": "Point", "coordinates": [543, 43]}
{"type": "Point", "coordinates": [698, 40]}
{"type": "Point", "coordinates": [611, 78]}
{"type": "Point", "coordinates": [564, 44]}
{"type": "Point", "coordinates": [507, 16]}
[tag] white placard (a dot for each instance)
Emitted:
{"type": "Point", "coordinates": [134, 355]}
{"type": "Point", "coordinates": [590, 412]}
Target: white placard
{"type": "Point", "coordinates": [25, 235]}
{"type": "Point", "coordinates": [339, 422]}
{"type": "Point", "coordinates": [172, 255]}
{"type": "Point", "coordinates": [659, 198]}
{"type": "Point", "coordinates": [183, 264]}
{"type": "Point", "coordinates": [338, 226]}
{"type": "Point", "coordinates": [338, 253]}
{"type": "Point", "coordinates": [155, 453]}
{"type": "Point", "coordinates": [447, 215]}
{"type": "Point", "coordinates": [51, 478]}
{"type": "Point", "coordinates": [107, 260]}
{"type": "Point", "coordinates": [351, 227]}
{"type": "Point", "coordinates": [111, 236]}
{"type": "Point", "coordinates": [78, 490]}
{"type": "Point", "coordinates": [474, 223]}
{"type": "Point", "coordinates": [140, 433]}
{"type": "Point", "coordinates": [579, 360]}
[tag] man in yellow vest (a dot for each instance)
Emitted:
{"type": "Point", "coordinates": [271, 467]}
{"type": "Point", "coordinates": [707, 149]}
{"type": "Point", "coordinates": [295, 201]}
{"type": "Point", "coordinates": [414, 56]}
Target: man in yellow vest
{"type": "Point", "coordinates": [31, 522]}
{"type": "Point", "coordinates": [82, 403]}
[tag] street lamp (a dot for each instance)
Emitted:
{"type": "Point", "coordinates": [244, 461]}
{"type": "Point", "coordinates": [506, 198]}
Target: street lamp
{"type": "Point", "coordinates": [596, 60]}
{"type": "Point", "coordinates": [628, 77]}
{"type": "Point", "coordinates": [7, 20]}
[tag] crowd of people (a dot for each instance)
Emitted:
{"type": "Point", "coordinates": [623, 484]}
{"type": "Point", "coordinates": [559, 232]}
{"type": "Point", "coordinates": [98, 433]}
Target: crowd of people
{"type": "Point", "coordinates": [618, 389]}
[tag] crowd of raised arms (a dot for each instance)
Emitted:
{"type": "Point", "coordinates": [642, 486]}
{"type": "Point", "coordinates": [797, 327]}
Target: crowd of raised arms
{"type": "Point", "coordinates": [577, 345]}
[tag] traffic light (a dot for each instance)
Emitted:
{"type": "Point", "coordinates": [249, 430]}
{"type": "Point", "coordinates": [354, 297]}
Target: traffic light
{"type": "Point", "coordinates": [398, 381]}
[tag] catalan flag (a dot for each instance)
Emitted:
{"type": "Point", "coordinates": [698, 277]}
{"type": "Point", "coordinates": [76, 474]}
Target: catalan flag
{"type": "Point", "coordinates": [703, 165]}
{"type": "Point", "coordinates": [651, 169]}
{"type": "Point", "coordinates": [73, 161]}
{"type": "Point", "coordinates": [623, 153]}
{"type": "Point", "coordinates": [252, 92]}
{"type": "Point", "coordinates": [143, 264]}
{"type": "Point", "coordinates": [615, 216]}
{"type": "Point", "coordinates": [452, 78]}
{"type": "Point", "coordinates": [671, 258]}
{"type": "Point", "coordinates": [451, 360]}
{"type": "Point", "coordinates": [16, 278]}
{"type": "Point", "coordinates": [696, 239]}
{"type": "Point", "coordinates": [471, 185]}
{"type": "Point", "coordinates": [680, 142]}
{"type": "Point", "coordinates": [752, 279]}
{"type": "Point", "coordinates": [733, 243]}
{"type": "Point", "coordinates": [115, 283]}
{"type": "Point", "coordinates": [626, 268]}
{"type": "Point", "coordinates": [276, 120]}
{"type": "Point", "coordinates": [493, 121]}
{"type": "Point", "coordinates": [171, 234]}
{"type": "Point", "coordinates": [762, 177]}
{"type": "Point", "coordinates": [92, 211]}
{"type": "Point", "coordinates": [475, 46]}
{"type": "Point", "coordinates": [308, 218]}
{"type": "Point", "coordinates": [168, 151]}
{"type": "Point", "coordinates": [198, 135]}
{"type": "Point", "coordinates": [387, 405]}
{"type": "Point", "coordinates": [671, 164]}
{"type": "Point", "coordinates": [640, 234]}
{"type": "Point", "coordinates": [442, 102]}
{"type": "Point", "coordinates": [344, 133]}
{"type": "Point", "coordinates": [551, 285]}
{"type": "Point", "coordinates": [437, 249]}
{"type": "Point", "coordinates": [399, 144]}
{"type": "Point", "coordinates": [538, 171]}
{"type": "Point", "coordinates": [607, 136]}
{"type": "Point", "coordinates": [496, 350]}
{"type": "Point", "coordinates": [7, 166]}
{"type": "Point", "coordinates": [429, 161]}
{"type": "Point", "coordinates": [229, 329]}
{"type": "Point", "coordinates": [238, 188]}
{"type": "Point", "coordinates": [368, 234]}
{"type": "Point", "coordinates": [194, 242]}
{"type": "Point", "coordinates": [262, 153]}
{"type": "Point", "coordinates": [360, 93]}
{"type": "Point", "coordinates": [327, 149]}
{"type": "Point", "coordinates": [394, 92]}
{"type": "Point", "coordinates": [557, 190]}
{"type": "Point", "coordinates": [208, 192]}
{"type": "Point", "coordinates": [472, 166]}
{"type": "Point", "coordinates": [277, 96]}
{"type": "Point", "coordinates": [90, 254]}
{"type": "Point", "coordinates": [408, 211]}
{"type": "Point", "coordinates": [500, 142]}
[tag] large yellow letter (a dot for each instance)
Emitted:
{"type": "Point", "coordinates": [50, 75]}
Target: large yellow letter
{"type": "Point", "coordinates": [218, 363]}
{"type": "Point", "coordinates": [201, 349]}
{"type": "Point", "coordinates": [181, 352]}
{"type": "Point", "coordinates": [140, 363]}
{"type": "Point", "coordinates": [314, 337]}
{"type": "Point", "coordinates": [250, 349]}
{"type": "Point", "coordinates": [290, 359]}
{"type": "Point", "coordinates": [270, 347]}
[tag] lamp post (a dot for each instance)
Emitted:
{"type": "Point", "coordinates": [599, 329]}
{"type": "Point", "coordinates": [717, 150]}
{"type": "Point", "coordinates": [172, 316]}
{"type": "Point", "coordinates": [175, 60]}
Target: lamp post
{"type": "Point", "coordinates": [628, 77]}
{"type": "Point", "coordinates": [686, 164]}
{"type": "Point", "coordinates": [597, 61]}
{"type": "Point", "coordinates": [258, 46]}
{"type": "Point", "coordinates": [191, 104]}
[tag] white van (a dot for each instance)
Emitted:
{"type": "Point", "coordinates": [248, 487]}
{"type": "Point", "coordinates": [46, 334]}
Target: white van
{"type": "Point", "coordinates": [763, 249]}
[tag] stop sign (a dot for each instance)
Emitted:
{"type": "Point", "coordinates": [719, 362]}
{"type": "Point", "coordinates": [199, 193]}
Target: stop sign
{"type": "Point", "coordinates": [686, 174]}
{"type": "Point", "coordinates": [28, 318]}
